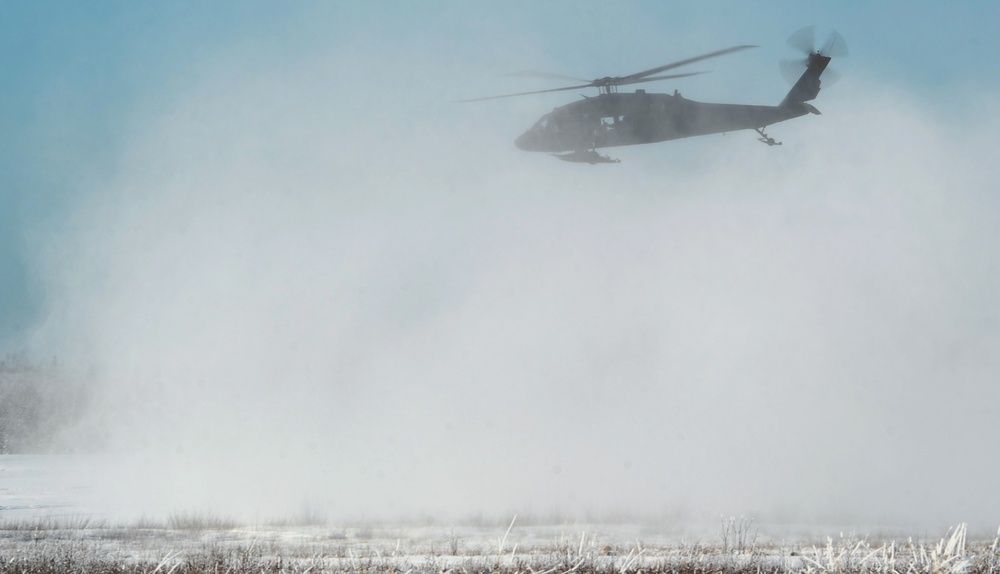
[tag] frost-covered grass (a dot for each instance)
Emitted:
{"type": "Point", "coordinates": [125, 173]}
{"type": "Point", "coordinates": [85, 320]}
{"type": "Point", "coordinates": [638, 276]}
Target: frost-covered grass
{"type": "Point", "coordinates": [211, 544]}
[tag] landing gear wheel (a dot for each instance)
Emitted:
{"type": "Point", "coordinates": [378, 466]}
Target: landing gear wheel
{"type": "Point", "coordinates": [765, 139]}
{"type": "Point", "coordinates": [586, 156]}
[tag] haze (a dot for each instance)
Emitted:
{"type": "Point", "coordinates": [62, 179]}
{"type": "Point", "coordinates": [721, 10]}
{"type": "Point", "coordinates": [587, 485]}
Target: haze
{"type": "Point", "coordinates": [306, 279]}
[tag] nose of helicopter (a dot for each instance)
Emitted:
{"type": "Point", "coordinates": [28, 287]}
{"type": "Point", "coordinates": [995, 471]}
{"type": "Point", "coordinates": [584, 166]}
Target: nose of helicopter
{"type": "Point", "coordinates": [522, 141]}
{"type": "Point", "coordinates": [528, 141]}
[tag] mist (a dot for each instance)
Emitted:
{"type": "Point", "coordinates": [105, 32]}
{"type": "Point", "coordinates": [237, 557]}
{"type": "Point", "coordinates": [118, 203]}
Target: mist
{"type": "Point", "coordinates": [295, 293]}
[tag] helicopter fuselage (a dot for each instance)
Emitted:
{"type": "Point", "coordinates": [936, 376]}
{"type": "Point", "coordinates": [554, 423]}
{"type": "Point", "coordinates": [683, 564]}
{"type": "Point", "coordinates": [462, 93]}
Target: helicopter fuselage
{"type": "Point", "coordinates": [620, 119]}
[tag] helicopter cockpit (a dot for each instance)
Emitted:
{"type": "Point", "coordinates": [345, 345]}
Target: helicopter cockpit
{"type": "Point", "coordinates": [560, 130]}
{"type": "Point", "coordinates": [541, 136]}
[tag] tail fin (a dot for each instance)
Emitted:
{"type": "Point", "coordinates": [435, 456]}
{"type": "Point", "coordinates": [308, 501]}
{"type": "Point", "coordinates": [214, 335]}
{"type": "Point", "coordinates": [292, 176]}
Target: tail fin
{"type": "Point", "coordinates": [807, 88]}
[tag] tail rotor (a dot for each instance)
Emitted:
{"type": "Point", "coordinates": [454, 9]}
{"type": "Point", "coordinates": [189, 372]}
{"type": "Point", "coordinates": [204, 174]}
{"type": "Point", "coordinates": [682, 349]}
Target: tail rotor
{"type": "Point", "coordinates": [804, 41]}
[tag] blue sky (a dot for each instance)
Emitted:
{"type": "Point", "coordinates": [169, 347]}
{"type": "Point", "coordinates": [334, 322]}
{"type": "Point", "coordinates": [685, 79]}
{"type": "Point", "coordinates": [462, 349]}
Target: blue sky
{"type": "Point", "coordinates": [71, 72]}
{"type": "Point", "coordinates": [200, 199]}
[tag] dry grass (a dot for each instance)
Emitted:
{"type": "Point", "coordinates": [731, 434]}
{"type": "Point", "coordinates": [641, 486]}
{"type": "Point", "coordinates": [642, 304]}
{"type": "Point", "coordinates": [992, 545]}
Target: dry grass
{"type": "Point", "coordinates": [212, 544]}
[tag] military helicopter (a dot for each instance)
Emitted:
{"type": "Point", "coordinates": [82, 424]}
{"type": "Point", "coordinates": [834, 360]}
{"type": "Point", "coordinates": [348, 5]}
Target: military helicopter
{"type": "Point", "coordinates": [575, 131]}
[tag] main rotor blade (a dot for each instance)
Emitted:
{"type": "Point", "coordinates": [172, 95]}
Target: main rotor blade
{"type": "Point", "coordinates": [657, 78]}
{"type": "Point", "coordinates": [524, 93]}
{"type": "Point", "coordinates": [618, 81]}
{"type": "Point", "coordinates": [630, 78]}
{"type": "Point", "coordinates": [547, 75]}
{"type": "Point", "coordinates": [590, 85]}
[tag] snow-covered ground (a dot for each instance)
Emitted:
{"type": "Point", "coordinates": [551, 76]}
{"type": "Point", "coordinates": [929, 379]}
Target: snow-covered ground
{"type": "Point", "coordinates": [38, 486]}
{"type": "Point", "coordinates": [48, 516]}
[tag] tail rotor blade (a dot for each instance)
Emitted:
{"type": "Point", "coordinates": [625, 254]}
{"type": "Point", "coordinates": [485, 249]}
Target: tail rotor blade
{"type": "Point", "coordinates": [791, 70]}
{"type": "Point", "coordinates": [804, 40]}
{"type": "Point", "coordinates": [835, 47]}
{"type": "Point", "coordinates": [830, 77]}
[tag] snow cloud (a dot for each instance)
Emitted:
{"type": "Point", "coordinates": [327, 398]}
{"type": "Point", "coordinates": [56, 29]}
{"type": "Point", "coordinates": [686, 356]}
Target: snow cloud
{"type": "Point", "coordinates": [363, 299]}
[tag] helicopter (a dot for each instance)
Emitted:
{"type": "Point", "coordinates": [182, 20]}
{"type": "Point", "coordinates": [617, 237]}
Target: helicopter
{"type": "Point", "coordinates": [573, 132]}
